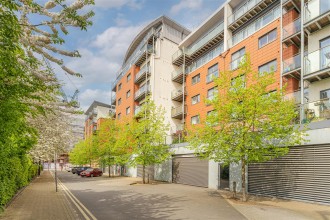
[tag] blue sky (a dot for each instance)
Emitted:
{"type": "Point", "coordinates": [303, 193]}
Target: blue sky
{"type": "Point", "coordinates": [116, 23]}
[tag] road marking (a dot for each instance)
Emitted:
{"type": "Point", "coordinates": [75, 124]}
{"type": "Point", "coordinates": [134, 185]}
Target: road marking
{"type": "Point", "coordinates": [75, 201]}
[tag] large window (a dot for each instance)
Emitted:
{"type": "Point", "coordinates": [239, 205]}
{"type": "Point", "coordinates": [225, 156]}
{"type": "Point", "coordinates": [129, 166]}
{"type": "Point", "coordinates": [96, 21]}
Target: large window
{"type": "Point", "coordinates": [236, 58]}
{"type": "Point", "coordinates": [128, 93]}
{"type": "Point", "coordinates": [211, 93]}
{"type": "Point", "coordinates": [212, 72]}
{"type": "Point", "coordinates": [196, 79]}
{"type": "Point", "coordinates": [268, 68]}
{"type": "Point", "coordinates": [195, 99]}
{"type": "Point", "coordinates": [267, 38]}
{"type": "Point", "coordinates": [195, 120]}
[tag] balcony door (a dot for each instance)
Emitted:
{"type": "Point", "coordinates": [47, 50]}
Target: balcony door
{"type": "Point", "coordinates": [325, 53]}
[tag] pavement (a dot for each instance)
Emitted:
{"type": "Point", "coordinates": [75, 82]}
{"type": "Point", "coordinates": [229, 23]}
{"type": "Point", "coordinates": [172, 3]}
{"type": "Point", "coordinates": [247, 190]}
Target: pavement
{"type": "Point", "coordinates": [39, 200]}
{"type": "Point", "coordinates": [119, 198]}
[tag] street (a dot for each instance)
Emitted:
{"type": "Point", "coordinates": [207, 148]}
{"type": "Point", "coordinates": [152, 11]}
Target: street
{"type": "Point", "coordinates": [115, 198]}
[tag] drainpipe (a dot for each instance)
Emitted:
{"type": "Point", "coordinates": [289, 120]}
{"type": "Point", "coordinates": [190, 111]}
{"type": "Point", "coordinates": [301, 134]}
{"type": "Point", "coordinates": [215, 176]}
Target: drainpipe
{"type": "Point", "coordinates": [281, 45]}
{"type": "Point", "coordinates": [302, 68]}
{"type": "Point", "coordinates": [183, 84]}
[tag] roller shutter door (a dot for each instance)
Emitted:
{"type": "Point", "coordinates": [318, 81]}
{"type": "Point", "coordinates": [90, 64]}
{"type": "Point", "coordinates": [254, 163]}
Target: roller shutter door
{"type": "Point", "coordinates": [190, 171]}
{"type": "Point", "coordinates": [149, 170]}
{"type": "Point", "coordinates": [303, 174]}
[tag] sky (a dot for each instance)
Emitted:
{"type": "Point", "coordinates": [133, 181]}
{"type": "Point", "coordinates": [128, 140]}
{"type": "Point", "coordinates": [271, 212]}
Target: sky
{"type": "Point", "coordinates": [104, 44]}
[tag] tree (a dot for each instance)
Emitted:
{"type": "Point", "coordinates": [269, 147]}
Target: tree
{"type": "Point", "coordinates": [250, 123]}
{"type": "Point", "coordinates": [148, 137]}
{"type": "Point", "coordinates": [111, 149]}
{"type": "Point", "coordinates": [84, 152]}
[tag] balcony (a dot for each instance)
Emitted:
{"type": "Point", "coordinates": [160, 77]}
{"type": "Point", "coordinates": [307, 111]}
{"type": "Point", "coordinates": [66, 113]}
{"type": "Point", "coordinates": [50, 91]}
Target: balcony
{"type": "Point", "coordinates": [291, 33]}
{"type": "Point", "coordinates": [247, 12]}
{"type": "Point", "coordinates": [292, 67]}
{"type": "Point", "coordinates": [295, 96]}
{"type": "Point", "coordinates": [209, 40]}
{"type": "Point", "coordinates": [317, 111]}
{"type": "Point", "coordinates": [113, 99]}
{"type": "Point", "coordinates": [179, 112]}
{"type": "Point", "coordinates": [177, 76]}
{"type": "Point", "coordinates": [317, 15]}
{"type": "Point", "coordinates": [177, 57]}
{"type": "Point", "coordinates": [142, 55]}
{"type": "Point", "coordinates": [317, 64]}
{"type": "Point", "coordinates": [289, 4]}
{"type": "Point", "coordinates": [177, 95]}
{"type": "Point", "coordinates": [142, 93]}
{"type": "Point", "coordinates": [236, 63]}
{"type": "Point", "coordinates": [142, 74]}
{"type": "Point", "coordinates": [137, 109]}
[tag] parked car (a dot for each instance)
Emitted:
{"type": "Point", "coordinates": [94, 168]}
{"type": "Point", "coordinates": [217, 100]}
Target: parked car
{"type": "Point", "coordinates": [90, 172]}
{"type": "Point", "coordinates": [80, 169]}
{"type": "Point", "coordinates": [68, 169]}
{"type": "Point", "coordinates": [74, 170]}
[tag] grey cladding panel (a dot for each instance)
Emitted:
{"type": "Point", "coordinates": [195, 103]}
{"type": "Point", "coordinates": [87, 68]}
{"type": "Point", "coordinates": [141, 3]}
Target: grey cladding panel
{"type": "Point", "coordinates": [190, 171]}
{"type": "Point", "coordinates": [302, 174]}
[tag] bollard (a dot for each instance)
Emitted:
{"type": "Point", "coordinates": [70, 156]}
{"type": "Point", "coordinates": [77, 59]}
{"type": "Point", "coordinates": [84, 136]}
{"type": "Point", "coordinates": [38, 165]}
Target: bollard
{"type": "Point", "coordinates": [234, 189]}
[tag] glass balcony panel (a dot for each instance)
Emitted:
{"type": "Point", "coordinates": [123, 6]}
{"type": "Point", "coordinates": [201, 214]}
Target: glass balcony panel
{"type": "Point", "coordinates": [317, 60]}
{"type": "Point", "coordinates": [176, 55]}
{"type": "Point", "coordinates": [315, 8]}
{"type": "Point", "coordinates": [178, 110]}
{"type": "Point", "coordinates": [142, 90]}
{"type": "Point", "coordinates": [175, 73]}
{"type": "Point", "coordinates": [201, 42]}
{"type": "Point", "coordinates": [295, 96]}
{"type": "Point", "coordinates": [317, 110]}
{"type": "Point", "coordinates": [137, 109]}
{"type": "Point", "coordinates": [292, 28]}
{"type": "Point", "coordinates": [177, 93]}
{"type": "Point", "coordinates": [291, 63]}
{"type": "Point", "coordinates": [144, 69]}
{"type": "Point", "coordinates": [242, 10]}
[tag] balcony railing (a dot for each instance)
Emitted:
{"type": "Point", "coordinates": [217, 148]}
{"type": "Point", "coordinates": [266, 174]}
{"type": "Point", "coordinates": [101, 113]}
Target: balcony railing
{"type": "Point", "coordinates": [242, 10]}
{"type": "Point", "coordinates": [292, 28]}
{"type": "Point", "coordinates": [176, 73]}
{"type": "Point", "coordinates": [317, 110]}
{"type": "Point", "coordinates": [317, 60]}
{"type": "Point", "coordinates": [142, 91]}
{"type": "Point", "coordinates": [295, 96]}
{"type": "Point", "coordinates": [137, 109]}
{"type": "Point", "coordinates": [291, 64]}
{"type": "Point", "coordinates": [212, 34]}
{"type": "Point", "coordinates": [177, 54]}
{"type": "Point", "coordinates": [145, 69]}
{"type": "Point", "coordinates": [177, 112]}
{"type": "Point", "coordinates": [315, 8]}
{"type": "Point", "coordinates": [235, 63]}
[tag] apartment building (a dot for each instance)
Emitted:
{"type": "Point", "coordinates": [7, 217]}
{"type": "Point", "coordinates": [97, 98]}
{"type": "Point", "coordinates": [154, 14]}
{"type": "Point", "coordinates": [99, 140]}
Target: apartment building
{"type": "Point", "coordinates": [291, 37]}
{"type": "Point", "coordinates": [95, 114]}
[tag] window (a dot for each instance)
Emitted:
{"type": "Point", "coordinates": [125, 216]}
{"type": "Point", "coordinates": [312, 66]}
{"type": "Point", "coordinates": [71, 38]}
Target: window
{"type": "Point", "coordinates": [325, 94]}
{"type": "Point", "coordinates": [118, 116]}
{"type": "Point", "coordinates": [268, 68]}
{"type": "Point", "coordinates": [211, 93]}
{"type": "Point", "coordinates": [195, 120]}
{"type": "Point", "coordinates": [195, 99]}
{"type": "Point", "coordinates": [128, 93]}
{"type": "Point", "coordinates": [128, 77]}
{"type": "Point", "coordinates": [212, 72]}
{"type": "Point", "coordinates": [128, 110]}
{"type": "Point", "coordinates": [119, 101]}
{"type": "Point", "coordinates": [236, 58]}
{"type": "Point", "coordinates": [119, 87]}
{"type": "Point", "coordinates": [196, 79]}
{"type": "Point", "coordinates": [267, 38]}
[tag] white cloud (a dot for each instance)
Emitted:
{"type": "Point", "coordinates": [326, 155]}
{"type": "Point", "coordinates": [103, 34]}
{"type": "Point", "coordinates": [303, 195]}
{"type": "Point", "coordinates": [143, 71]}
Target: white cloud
{"type": "Point", "coordinates": [107, 4]}
{"type": "Point", "coordinates": [87, 97]}
{"type": "Point", "coordinates": [186, 4]}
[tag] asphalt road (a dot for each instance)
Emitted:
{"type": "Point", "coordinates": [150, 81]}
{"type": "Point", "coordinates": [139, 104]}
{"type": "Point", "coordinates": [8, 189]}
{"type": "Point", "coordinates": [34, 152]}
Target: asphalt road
{"type": "Point", "coordinates": [115, 198]}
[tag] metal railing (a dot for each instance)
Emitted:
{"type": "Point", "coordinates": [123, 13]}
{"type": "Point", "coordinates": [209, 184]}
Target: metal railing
{"type": "Point", "coordinates": [177, 54]}
{"type": "Point", "coordinates": [317, 60]}
{"type": "Point", "coordinates": [292, 63]}
{"type": "Point", "coordinates": [176, 93]}
{"type": "Point", "coordinates": [141, 91]}
{"type": "Point", "coordinates": [178, 110]}
{"type": "Point", "coordinates": [142, 71]}
{"type": "Point", "coordinates": [295, 96]}
{"type": "Point", "coordinates": [317, 110]}
{"type": "Point", "coordinates": [249, 4]}
{"type": "Point", "coordinates": [292, 28]}
{"type": "Point", "coordinates": [315, 8]}
{"type": "Point", "coordinates": [177, 72]}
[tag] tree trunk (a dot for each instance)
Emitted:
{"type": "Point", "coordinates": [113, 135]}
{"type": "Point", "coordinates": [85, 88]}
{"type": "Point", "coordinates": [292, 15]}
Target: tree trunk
{"type": "Point", "coordinates": [143, 174]}
{"type": "Point", "coordinates": [244, 193]}
{"type": "Point", "coordinates": [109, 170]}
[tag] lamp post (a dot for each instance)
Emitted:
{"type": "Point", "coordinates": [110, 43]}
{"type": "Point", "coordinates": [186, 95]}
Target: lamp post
{"type": "Point", "coordinates": [55, 171]}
